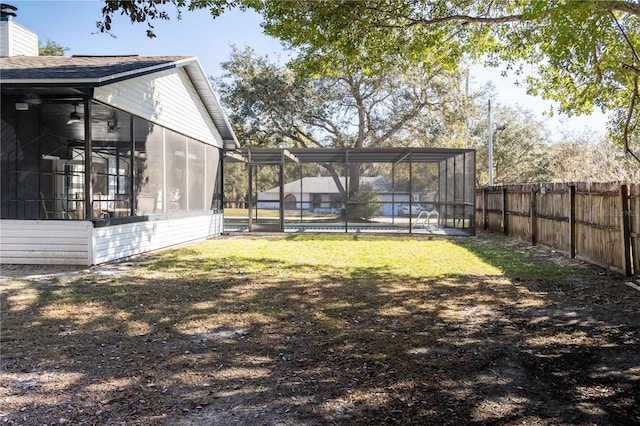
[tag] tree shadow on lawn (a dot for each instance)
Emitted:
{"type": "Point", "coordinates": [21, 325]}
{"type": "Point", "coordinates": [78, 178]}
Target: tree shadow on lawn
{"type": "Point", "coordinates": [582, 344]}
{"type": "Point", "coordinates": [193, 339]}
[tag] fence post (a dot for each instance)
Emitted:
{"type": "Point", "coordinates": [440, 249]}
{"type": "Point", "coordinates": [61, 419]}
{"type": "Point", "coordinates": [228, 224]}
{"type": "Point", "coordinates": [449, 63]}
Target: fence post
{"type": "Point", "coordinates": [634, 216]}
{"type": "Point", "coordinates": [505, 225]}
{"type": "Point", "coordinates": [572, 221]}
{"type": "Point", "coordinates": [485, 219]}
{"type": "Point", "coordinates": [533, 216]}
{"type": "Point", "coordinates": [625, 232]}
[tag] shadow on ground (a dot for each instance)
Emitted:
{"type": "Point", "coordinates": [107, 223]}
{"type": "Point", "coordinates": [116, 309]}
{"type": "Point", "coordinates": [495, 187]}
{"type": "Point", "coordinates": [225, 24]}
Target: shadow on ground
{"type": "Point", "coordinates": [192, 339]}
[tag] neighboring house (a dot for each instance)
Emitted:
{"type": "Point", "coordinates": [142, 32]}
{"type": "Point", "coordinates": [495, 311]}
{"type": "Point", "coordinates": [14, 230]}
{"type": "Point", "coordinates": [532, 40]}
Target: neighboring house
{"type": "Point", "coordinates": [320, 194]}
{"type": "Point", "coordinates": [106, 157]}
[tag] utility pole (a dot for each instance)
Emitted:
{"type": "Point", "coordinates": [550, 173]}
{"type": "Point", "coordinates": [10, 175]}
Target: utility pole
{"type": "Point", "coordinates": [467, 136]}
{"type": "Point", "coordinates": [490, 147]}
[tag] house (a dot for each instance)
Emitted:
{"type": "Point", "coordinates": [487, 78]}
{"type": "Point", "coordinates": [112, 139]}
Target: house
{"type": "Point", "coordinates": [104, 157]}
{"type": "Point", "coordinates": [320, 194]}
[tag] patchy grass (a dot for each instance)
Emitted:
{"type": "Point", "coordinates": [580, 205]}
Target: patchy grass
{"type": "Point", "coordinates": [374, 255]}
{"type": "Point", "coordinates": [323, 330]}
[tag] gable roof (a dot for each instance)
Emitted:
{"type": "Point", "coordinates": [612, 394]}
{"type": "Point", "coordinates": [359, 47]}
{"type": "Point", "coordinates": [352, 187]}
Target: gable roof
{"type": "Point", "coordinates": [85, 72]}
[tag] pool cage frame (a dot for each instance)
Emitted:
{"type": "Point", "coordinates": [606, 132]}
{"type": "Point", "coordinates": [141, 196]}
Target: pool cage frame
{"type": "Point", "coordinates": [449, 211]}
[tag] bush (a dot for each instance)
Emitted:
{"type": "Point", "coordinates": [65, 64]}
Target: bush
{"type": "Point", "coordinates": [363, 204]}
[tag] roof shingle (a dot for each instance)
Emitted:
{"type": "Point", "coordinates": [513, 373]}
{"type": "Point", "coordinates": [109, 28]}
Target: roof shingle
{"type": "Point", "coordinates": [79, 68]}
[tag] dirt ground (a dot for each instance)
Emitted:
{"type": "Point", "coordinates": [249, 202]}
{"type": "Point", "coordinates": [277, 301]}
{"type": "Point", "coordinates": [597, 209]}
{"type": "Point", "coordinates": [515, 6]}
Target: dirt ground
{"type": "Point", "coordinates": [108, 346]}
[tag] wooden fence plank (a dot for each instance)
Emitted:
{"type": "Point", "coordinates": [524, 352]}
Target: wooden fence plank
{"type": "Point", "coordinates": [596, 222]}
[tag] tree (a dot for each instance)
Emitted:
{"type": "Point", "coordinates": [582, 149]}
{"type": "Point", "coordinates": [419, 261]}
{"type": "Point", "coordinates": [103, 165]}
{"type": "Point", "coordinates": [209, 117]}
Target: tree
{"type": "Point", "coordinates": [584, 51]}
{"type": "Point", "coordinates": [580, 157]}
{"type": "Point", "coordinates": [51, 48]}
{"type": "Point", "coordinates": [520, 151]}
{"type": "Point", "coordinates": [272, 106]}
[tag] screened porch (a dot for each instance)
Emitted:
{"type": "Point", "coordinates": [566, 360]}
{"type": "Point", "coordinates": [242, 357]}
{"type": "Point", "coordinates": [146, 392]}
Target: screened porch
{"type": "Point", "coordinates": [392, 190]}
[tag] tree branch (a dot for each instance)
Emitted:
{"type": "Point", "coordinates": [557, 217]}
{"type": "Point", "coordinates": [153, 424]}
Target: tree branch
{"type": "Point", "coordinates": [602, 6]}
{"type": "Point", "coordinates": [631, 69]}
{"type": "Point", "coordinates": [402, 122]}
{"type": "Point", "coordinates": [467, 19]}
{"type": "Point", "coordinates": [618, 6]}
{"type": "Point", "coordinates": [627, 124]}
{"type": "Point", "coordinates": [327, 126]}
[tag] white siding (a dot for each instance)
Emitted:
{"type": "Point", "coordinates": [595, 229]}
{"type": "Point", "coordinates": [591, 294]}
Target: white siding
{"type": "Point", "coordinates": [45, 242]}
{"type": "Point", "coordinates": [16, 40]}
{"type": "Point", "coordinates": [4, 39]}
{"type": "Point", "coordinates": [116, 242]}
{"type": "Point", "coordinates": [166, 98]}
{"type": "Point", "coordinates": [69, 242]}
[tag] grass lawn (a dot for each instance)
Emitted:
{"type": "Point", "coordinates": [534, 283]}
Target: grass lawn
{"type": "Point", "coordinates": [330, 329]}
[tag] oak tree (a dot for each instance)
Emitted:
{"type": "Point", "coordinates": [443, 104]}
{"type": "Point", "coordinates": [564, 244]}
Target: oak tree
{"type": "Point", "coordinates": [272, 106]}
{"type": "Point", "coordinates": [584, 51]}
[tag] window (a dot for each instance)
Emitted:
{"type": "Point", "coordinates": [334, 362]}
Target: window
{"type": "Point", "coordinates": [290, 202]}
{"type": "Point", "coordinates": [149, 179]}
{"type": "Point", "coordinates": [176, 172]}
{"type": "Point", "coordinates": [196, 176]}
{"type": "Point", "coordinates": [213, 181]}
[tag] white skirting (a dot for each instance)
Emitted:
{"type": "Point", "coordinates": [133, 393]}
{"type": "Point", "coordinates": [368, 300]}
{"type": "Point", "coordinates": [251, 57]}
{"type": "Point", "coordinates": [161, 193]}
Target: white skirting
{"type": "Point", "coordinates": [67, 242]}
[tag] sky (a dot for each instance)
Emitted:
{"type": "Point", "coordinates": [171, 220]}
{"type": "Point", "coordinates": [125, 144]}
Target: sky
{"type": "Point", "coordinates": [72, 24]}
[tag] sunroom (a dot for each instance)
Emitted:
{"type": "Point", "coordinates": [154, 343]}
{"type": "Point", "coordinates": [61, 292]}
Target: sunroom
{"type": "Point", "coordinates": [107, 157]}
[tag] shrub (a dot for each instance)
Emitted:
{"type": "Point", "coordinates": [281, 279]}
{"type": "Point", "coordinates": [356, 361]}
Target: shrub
{"type": "Point", "coordinates": [363, 204]}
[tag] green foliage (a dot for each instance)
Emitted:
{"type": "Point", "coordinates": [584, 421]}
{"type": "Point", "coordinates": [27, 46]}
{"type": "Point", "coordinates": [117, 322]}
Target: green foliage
{"type": "Point", "coordinates": [582, 58]}
{"type": "Point", "coordinates": [272, 106]}
{"type": "Point", "coordinates": [236, 184]}
{"type": "Point", "coordinates": [363, 204]}
{"type": "Point", "coordinates": [584, 51]}
{"type": "Point", "coordinates": [51, 48]}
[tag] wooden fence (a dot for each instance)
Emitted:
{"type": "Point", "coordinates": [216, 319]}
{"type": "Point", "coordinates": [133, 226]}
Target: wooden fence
{"type": "Point", "coordinates": [595, 222]}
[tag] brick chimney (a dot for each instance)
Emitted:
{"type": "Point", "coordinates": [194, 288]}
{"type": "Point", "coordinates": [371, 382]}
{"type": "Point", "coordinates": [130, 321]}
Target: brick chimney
{"type": "Point", "coordinates": [15, 40]}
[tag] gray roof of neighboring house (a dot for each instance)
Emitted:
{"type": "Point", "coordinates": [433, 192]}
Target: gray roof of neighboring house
{"type": "Point", "coordinates": [312, 185]}
{"type": "Point", "coordinates": [326, 185]}
{"type": "Point", "coordinates": [78, 72]}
